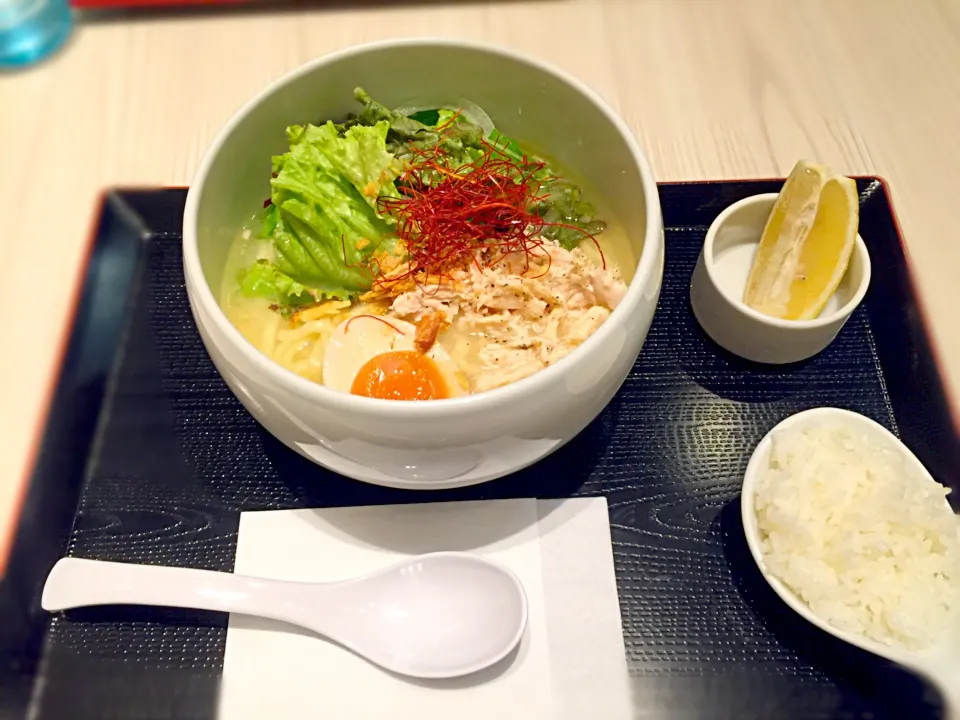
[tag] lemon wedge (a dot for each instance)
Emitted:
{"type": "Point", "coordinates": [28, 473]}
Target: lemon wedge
{"type": "Point", "coordinates": [806, 244]}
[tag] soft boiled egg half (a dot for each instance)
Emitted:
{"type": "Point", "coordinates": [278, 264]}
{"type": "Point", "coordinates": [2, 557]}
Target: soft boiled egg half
{"type": "Point", "coordinates": [376, 357]}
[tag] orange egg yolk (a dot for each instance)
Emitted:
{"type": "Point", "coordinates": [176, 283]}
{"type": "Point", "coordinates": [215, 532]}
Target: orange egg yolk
{"type": "Point", "coordinates": [400, 375]}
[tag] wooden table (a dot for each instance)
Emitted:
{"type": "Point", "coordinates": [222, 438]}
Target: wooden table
{"type": "Point", "coordinates": [713, 89]}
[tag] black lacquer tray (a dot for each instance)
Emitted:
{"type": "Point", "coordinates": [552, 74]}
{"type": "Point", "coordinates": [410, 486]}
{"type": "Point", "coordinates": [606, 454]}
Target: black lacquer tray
{"type": "Point", "coordinates": [147, 457]}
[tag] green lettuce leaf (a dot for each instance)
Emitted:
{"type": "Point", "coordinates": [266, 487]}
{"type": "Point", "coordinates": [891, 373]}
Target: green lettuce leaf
{"type": "Point", "coordinates": [360, 155]}
{"type": "Point", "coordinates": [323, 218]}
{"type": "Point", "coordinates": [444, 117]}
{"type": "Point", "coordinates": [435, 118]}
{"type": "Point", "coordinates": [575, 217]}
{"type": "Point", "coordinates": [507, 146]}
{"type": "Point", "coordinates": [363, 157]}
{"type": "Point", "coordinates": [427, 117]}
{"type": "Point", "coordinates": [402, 127]}
{"type": "Point", "coordinates": [462, 141]}
{"type": "Point", "coordinates": [269, 220]}
{"type": "Point", "coordinates": [263, 279]}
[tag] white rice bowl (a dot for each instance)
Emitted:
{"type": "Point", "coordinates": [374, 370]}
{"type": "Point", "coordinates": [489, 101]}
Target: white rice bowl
{"type": "Point", "coordinates": [858, 535]}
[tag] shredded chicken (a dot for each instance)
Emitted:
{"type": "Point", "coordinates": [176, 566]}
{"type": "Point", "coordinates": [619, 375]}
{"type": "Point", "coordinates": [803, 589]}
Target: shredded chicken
{"type": "Point", "coordinates": [442, 298]}
{"type": "Point", "coordinates": [527, 316]}
{"type": "Point", "coordinates": [609, 290]}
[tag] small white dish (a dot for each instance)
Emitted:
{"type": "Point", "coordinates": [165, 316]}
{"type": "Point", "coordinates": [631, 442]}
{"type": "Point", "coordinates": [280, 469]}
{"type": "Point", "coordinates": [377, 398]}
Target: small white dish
{"type": "Point", "coordinates": [940, 665]}
{"type": "Point", "coordinates": [439, 615]}
{"type": "Point", "coordinates": [716, 292]}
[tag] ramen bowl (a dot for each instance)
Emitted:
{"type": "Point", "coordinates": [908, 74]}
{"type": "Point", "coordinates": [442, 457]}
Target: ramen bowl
{"type": "Point", "coordinates": [437, 443]}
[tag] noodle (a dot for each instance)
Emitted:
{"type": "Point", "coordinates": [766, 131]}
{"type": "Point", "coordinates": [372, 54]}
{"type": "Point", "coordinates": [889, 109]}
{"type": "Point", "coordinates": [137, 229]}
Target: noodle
{"type": "Point", "coordinates": [286, 352]}
{"type": "Point", "coordinates": [327, 309]}
{"type": "Point", "coordinates": [315, 359]}
{"type": "Point", "coordinates": [314, 327]}
{"type": "Point", "coordinates": [301, 349]}
{"type": "Point", "coordinates": [268, 335]}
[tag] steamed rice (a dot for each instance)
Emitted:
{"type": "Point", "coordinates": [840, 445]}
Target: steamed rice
{"type": "Point", "coordinates": [865, 541]}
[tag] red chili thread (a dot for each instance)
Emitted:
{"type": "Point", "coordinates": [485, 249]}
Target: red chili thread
{"type": "Point", "coordinates": [451, 121]}
{"type": "Point", "coordinates": [482, 205]}
{"type": "Point", "coordinates": [346, 328]}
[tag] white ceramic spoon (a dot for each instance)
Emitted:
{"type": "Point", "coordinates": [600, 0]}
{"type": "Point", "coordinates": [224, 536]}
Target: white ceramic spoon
{"type": "Point", "coordinates": [439, 615]}
{"type": "Point", "coordinates": [940, 664]}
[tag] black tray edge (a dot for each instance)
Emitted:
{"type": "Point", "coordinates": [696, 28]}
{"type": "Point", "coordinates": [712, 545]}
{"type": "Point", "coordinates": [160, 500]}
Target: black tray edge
{"type": "Point", "coordinates": [22, 622]}
{"type": "Point", "coordinates": [53, 477]}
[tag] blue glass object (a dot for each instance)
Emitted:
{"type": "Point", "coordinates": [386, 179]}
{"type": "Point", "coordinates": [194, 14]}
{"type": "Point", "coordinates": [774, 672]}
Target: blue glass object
{"type": "Point", "coordinates": [32, 29]}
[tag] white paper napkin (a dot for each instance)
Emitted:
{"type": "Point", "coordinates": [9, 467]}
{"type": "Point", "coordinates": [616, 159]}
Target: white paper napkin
{"type": "Point", "coordinates": [571, 661]}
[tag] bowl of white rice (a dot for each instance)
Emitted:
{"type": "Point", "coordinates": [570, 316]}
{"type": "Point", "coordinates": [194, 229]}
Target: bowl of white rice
{"type": "Point", "coordinates": [852, 532]}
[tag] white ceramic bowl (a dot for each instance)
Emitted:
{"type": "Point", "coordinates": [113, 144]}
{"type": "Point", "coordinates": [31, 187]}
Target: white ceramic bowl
{"type": "Point", "coordinates": [716, 292]}
{"type": "Point", "coordinates": [941, 663]}
{"type": "Point", "coordinates": [760, 460]}
{"type": "Point", "coordinates": [440, 443]}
